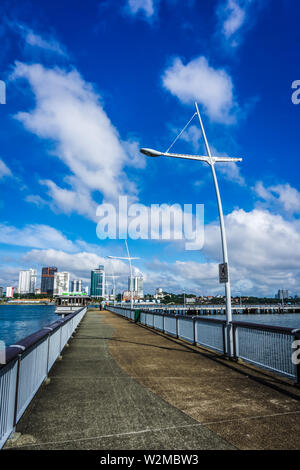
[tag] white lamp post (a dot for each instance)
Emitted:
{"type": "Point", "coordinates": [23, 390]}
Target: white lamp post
{"type": "Point", "coordinates": [128, 258]}
{"type": "Point", "coordinates": [210, 160]}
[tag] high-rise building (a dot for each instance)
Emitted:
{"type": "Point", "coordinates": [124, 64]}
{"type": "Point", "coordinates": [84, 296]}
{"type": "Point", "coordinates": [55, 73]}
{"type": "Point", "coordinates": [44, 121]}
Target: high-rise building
{"type": "Point", "coordinates": [61, 283]}
{"type": "Point", "coordinates": [282, 294]}
{"type": "Point", "coordinates": [1, 291]}
{"type": "Point", "coordinates": [137, 286]}
{"type": "Point", "coordinates": [47, 282]}
{"type": "Point", "coordinates": [27, 281]}
{"type": "Point", "coordinates": [10, 291]}
{"type": "Point", "coordinates": [76, 285]}
{"type": "Point", "coordinates": [98, 282]}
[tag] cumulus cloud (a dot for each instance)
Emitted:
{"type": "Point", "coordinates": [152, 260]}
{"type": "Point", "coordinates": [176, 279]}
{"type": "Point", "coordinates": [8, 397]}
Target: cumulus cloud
{"type": "Point", "coordinates": [263, 247]}
{"type": "Point", "coordinates": [147, 7]}
{"type": "Point", "coordinates": [78, 264]}
{"type": "Point", "coordinates": [198, 81]}
{"type": "Point", "coordinates": [69, 114]}
{"type": "Point", "coordinates": [281, 196]}
{"type": "Point", "coordinates": [4, 170]}
{"type": "Point", "coordinates": [35, 235]}
{"type": "Point", "coordinates": [264, 255]}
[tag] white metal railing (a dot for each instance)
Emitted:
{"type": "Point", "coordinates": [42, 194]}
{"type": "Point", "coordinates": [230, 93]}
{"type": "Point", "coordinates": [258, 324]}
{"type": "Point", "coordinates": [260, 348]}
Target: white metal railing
{"type": "Point", "coordinates": [265, 346]}
{"type": "Point", "coordinates": [27, 366]}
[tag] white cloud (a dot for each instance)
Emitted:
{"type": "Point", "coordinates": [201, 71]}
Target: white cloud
{"type": "Point", "coordinates": [263, 247]}
{"type": "Point", "coordinates": [67, 200]}
{"type": "Point", "coordinates": [232, 172]}
{"type": "Point", "coordinates": [147, 7]}
{"type": "Point", "coordinates": [198, 81]}
{"type": "Point", "coordinates": [282, 196]}
{"type": "Point", "coordinates": [35, 40]}
{"type": "Point", "coordinates": [9, 275]}
{"type": "Point", "coordinates": [264, 255]}
{"type": "Point", "coordinates": [193, 136]}
{"type": "Point", "coordinates": [78, 264]}
{"type": "Point", "coordinates": [4, 170]}
{"type": "Point", "coordinates": [234, 18]}
{"type": "Point", "coordinates": [35, 235]}
{"type": "Point", "coordinates": [36, 199]}
{"type": "Point", "coordinates": [69, 114]}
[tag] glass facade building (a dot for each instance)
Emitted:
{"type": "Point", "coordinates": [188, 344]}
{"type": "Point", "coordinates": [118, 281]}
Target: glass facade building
{"type": "Point", "coordinates": [98, 282]}
{"type": "Point", "coordinates": [47, 282]}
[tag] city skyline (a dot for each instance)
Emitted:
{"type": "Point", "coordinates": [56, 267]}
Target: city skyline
{"type": "Point", "coordinates": [80, 102]}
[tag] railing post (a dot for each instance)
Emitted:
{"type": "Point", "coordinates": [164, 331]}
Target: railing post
{"type": "Point", "coordinates": [194, 330]}
{"type": "Point", "coordinates": [17, 391]}
{"type": "Point", "coordinates": [235, 342]}
{"type": "Point", "coordinates": [224, 326]}
{"type": "Point", "coordinates": [176, 317]}
{"type": "Point", "coordinates": [47, 367]}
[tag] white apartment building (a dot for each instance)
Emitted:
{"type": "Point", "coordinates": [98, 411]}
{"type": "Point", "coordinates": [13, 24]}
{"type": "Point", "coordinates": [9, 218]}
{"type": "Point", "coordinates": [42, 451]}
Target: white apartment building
{"type": "Point", "coordinates": [27, 281]}
{"type": "Point", "coordinates": [10, 291]}
{"type": "Point", "coordinates": [137, 286]}
{"type": "Point", "coordinates": [61, 283]}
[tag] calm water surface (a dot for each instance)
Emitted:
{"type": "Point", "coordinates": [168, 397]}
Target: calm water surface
{"type": "Point", "coordinates": [19, 321]}
{"type": "Point", "coordinates": [290, 320]}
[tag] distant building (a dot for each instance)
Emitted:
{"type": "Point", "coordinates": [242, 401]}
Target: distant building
{"type": "Point", "coordinates": [282, 294]}
{"type": "Point", "coordinates": [76, 285]}
{"type": "Point", "coordinates": [127, 295]}
{"type": "Point", "coordinates": [10, 292]}
{"type": "Point", "coordinates": [37, 291]}
{"type": "Point", "coordinates": [27, 281]}
{"type": "Point", "coordinates": [61, 283]}
{"type": "Point", "coordinates": [47, 282]}
{"type": "Point", "coordinates": [86, 290]}
{"type": "Point", "coordinates": [190, 300]}
{"type": "Point", "coordinates": [98, 282]}
{"type": "Point", "coordinates": [137, 286]}
{"type": "Point", "coordinates": [159, 293]}
{"type": "Point", "coordinates": [1, 291]}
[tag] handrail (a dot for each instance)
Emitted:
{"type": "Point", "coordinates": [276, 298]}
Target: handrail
{"type": "Point", "coordinates": [12, 352]}
{"type": "Point", "coordinates": [260, 326]}
{"type": "Point", "coordinates": [27, 365]}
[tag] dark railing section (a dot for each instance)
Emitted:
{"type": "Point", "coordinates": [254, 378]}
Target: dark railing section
{"type": "Point", "coordinates": [268, 347]}
{"type": "Point", "coordinates": [27, 365]}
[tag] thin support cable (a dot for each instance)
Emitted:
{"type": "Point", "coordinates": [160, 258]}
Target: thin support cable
{"type": "Point", "coordinates": [181, 132]}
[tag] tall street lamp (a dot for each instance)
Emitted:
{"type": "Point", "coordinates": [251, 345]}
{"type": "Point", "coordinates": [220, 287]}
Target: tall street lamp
{"type": "Point", "coordinates": [129, 259]}
{"type": "Point", "coordinates": [210, 160]}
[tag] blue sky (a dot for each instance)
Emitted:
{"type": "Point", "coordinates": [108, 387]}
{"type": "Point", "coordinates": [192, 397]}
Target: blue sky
{"type": "Point", "coordinates": [89, 83]}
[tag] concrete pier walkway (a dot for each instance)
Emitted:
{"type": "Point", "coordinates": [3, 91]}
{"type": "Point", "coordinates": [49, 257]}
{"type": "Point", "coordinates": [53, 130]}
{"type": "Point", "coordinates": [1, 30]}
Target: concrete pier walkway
{"type": "Point", "coordinates": [123, 386]}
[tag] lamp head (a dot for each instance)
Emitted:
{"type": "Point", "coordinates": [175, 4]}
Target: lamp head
{"type": "Point", "coordinates": [150, 152]}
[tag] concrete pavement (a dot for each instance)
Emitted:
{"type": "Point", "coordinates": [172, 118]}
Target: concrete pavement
{"type": "Point", "coordinates": [92, 403]}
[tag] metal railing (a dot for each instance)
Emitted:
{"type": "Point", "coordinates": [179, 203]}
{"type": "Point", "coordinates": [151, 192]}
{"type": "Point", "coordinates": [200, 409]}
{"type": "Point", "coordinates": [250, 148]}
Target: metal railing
{"type": "Point", "coordinates": [27, 366]}
{"type": "Point", "coordinates": [265, 346]}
